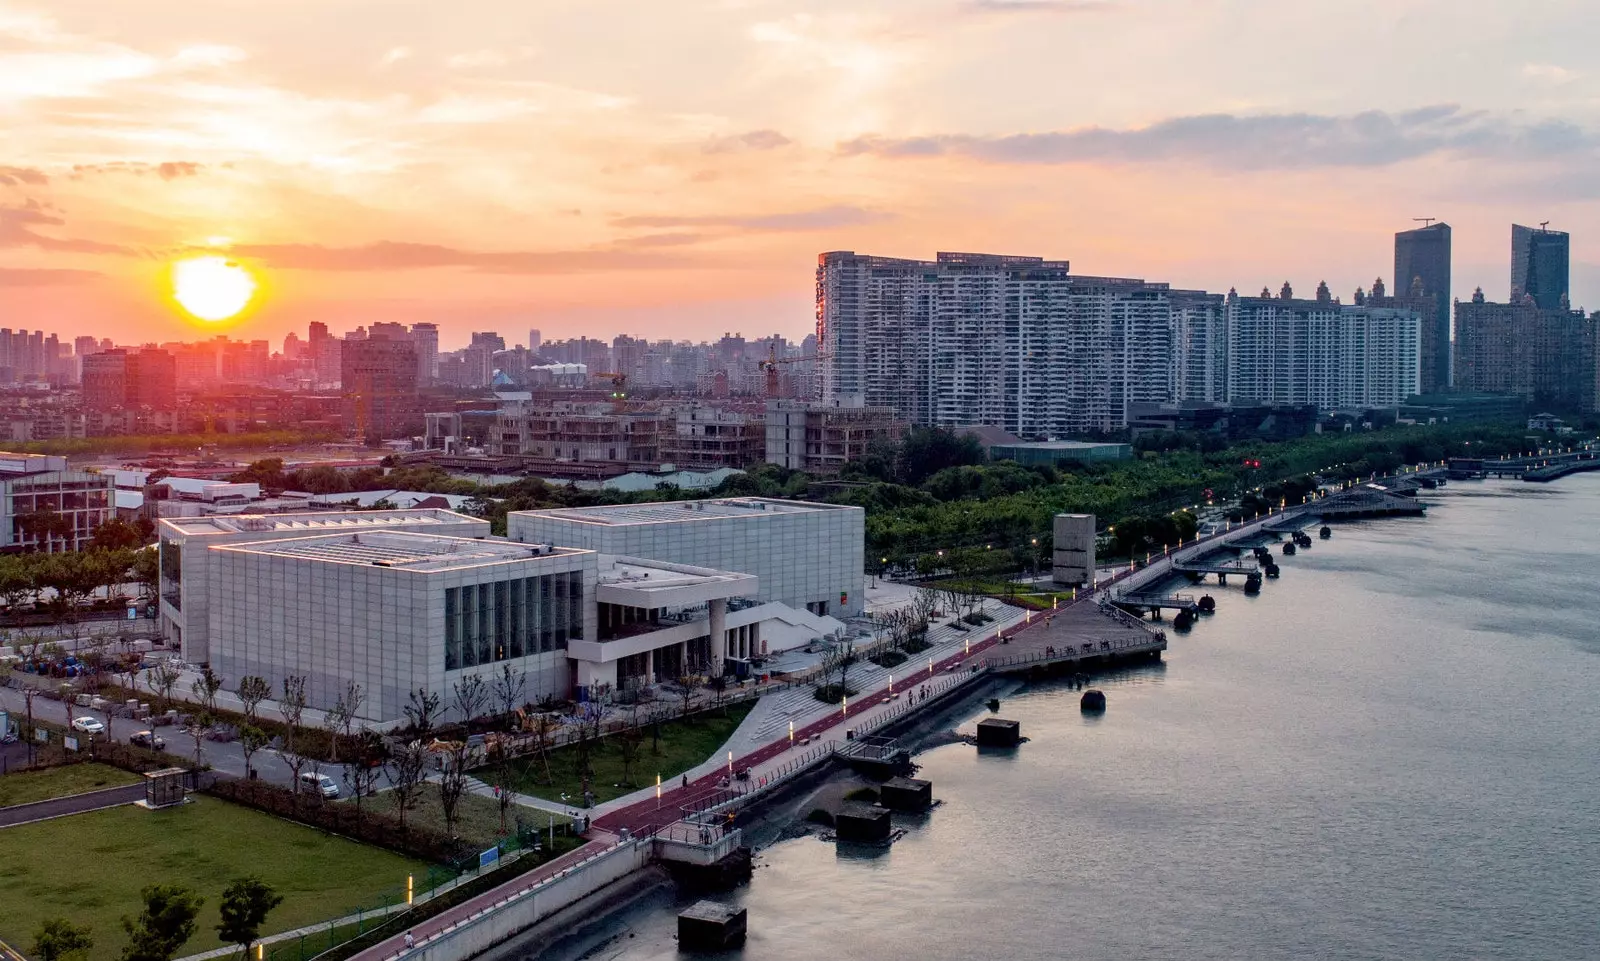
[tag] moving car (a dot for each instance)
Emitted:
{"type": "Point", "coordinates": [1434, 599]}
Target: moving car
{"type": "Point", "coordinates": [320, 783]}
{"type": "Point", "coordinates": [88, 725]}
{"type": "Point", "coordinates": [149, 739]}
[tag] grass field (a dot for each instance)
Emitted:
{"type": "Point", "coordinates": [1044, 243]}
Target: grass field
{"type": "Point", "coordinates": [23, 787]}
{"type": "Point", "coordinates": [477, 817]}
{"type": "Point", "coordinates": [90, 867]}
{"type": "Point", "coordinates": [684, 744]}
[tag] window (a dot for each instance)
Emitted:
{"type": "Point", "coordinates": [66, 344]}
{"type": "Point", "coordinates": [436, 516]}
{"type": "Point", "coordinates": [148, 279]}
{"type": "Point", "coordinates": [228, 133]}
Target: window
{"type": "Point", "coordinates": [172, 573]}
{"type": "Point", "coordinates": [452, 629]}
{"type": "Point", "coordinates": [469, 626]}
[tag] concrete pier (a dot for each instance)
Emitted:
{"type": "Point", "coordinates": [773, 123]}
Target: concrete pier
{"type": "Point", "coordinates": [862, 824]}
{"type": "Point", "coordinates": [710, 926]}
{"type": "Point", "coordinates": [999, 732]}
{"type": "Point", "coordinates": [906, 794]}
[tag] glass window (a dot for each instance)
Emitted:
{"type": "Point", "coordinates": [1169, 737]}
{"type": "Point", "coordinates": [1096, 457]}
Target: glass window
{"type": "Point", "coordinates": [514, 632]}
{"type": "Point", "coordinates": [502, 621]}
{"type": "Point", "coordinates": [452, 632]}
{"type": "Point", "coordinates": [547, 627]}
{"type": "Point", "coordinates": [469, 627]}
{"type": "Point", "coordinates": [558, 592]}
{"type": "Point", "coordinates": [485, 626]}
{"type": "Point", "coordinates": [575, 604]}
{"type": "Point", "coordinates": [172, 573]}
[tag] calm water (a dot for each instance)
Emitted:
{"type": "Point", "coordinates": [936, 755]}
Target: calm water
{"type": "Point", "coordinates": [1390, 753]}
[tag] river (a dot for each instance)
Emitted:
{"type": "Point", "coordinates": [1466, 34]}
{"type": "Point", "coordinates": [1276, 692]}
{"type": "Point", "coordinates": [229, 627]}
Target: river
{"type": "Point", "coordinates": [1390, 753]}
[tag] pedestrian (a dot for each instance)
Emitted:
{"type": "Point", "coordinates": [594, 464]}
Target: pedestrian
{"type": "Point", "coordinates": [410, 941]}
{"type": "Point", "coordinates": [686, 780]}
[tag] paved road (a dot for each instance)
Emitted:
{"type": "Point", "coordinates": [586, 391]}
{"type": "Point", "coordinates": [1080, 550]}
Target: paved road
{"type": "Point", "coordinates": [224, 757]}
{"type": "Point", "coordinates": [76, 804]}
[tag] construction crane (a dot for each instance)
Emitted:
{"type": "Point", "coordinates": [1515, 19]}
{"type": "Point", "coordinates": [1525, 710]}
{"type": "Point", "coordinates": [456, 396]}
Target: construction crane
{"type": "Point", "coordinates": [619, 390]}
{"type": "Point", "coordinates": [770, 365]}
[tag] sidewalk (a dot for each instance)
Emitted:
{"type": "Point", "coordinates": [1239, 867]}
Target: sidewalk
{"type": "Point", "coordinates": [111, 797]}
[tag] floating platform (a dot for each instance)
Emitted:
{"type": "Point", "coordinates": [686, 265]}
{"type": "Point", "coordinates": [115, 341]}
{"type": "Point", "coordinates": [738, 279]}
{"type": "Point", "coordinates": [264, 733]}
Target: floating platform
{"type": "Point", "coordinates": [906, 794]}
{"type": "Point", "coordinates": [862, 824]}
{"type": "Point", "coordinates": [999, 732]}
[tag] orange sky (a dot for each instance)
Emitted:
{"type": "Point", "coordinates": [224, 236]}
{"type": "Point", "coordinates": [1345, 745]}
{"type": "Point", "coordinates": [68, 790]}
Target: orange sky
{"type": "Point", "coordinates": [672, 169]}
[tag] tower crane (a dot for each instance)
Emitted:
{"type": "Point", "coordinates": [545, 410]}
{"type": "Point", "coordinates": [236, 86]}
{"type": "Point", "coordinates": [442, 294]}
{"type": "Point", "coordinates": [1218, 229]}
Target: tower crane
{"type": "Point", "coordinates": [770, 365]}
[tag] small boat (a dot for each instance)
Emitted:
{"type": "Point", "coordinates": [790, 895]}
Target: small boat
{"type": "Point", "coordinates": [1288, 548]}
{"type": "Point", "coordinates": [994, 704]}
{"type": "Point", "coordinates": [1092, 702]}
{"type": "Point", "coordinates": [1208, 604]}
{"type": "Point", "coordinates": [1326, 532]}
{"type": "Point", "coordinates": [1183, 621]}
{"type": "Point", "coordinates": [1271, 570]}
{"type": "Point", "coordinates": [1252, 584]}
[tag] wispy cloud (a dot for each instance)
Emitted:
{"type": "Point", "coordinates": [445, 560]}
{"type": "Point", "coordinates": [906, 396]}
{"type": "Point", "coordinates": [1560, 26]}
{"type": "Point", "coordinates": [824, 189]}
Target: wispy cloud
{"type": "Point", "coordinates": [19, 228]}
{"type": "Point", "coordinates": [17, 176]}
{"type": "Point", "coordinates": [44, 276]}
{"type": "Point", "coordinates": [167, 170]}
{"type": "Point", "coordinates": [400, 255]}
{"type": "Point", "coordinates": [823, 218]}
{"type": "Point", "coordinates": [1036, 6]}
{"type": "Point", "coordinates": [750, 140]}
{"type": "Point", "coordinates": [1262, 141]}
{"type": "Point", "coordinates": [1550, 73]}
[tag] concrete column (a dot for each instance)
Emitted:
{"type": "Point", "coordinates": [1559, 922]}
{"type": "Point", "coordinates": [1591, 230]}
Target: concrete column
{"type": "Point", "coordinates": [755, 638]}
{"type": "Point", "coordinates": [719, 635]}
{"type": "Point", "coordinates": [650, 667]}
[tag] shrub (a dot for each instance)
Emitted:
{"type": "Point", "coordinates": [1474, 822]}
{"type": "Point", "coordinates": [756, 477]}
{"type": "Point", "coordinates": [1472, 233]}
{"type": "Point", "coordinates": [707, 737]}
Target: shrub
{"type": "Point", "coordinates": [888, 658]}
{"type": "Point", "coordinates": [820, 816]}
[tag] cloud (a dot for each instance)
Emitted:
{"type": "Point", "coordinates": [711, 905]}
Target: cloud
{"type": "Point", "coordinates": [168, 170]}
{"type": "Point", "coordinates": [678, 239]}
{"type": "Point", "coordinates": [394, 55]}
{"type": "Point", "coordinates": [1549, 73]}
{"type": "Point", "coordinates": [1262, 141]}
{"type": "Point", "coordinates": [750, 140]}
{"type": "Point", "coordinates": [823, 218]}
{"type": "Point", "coordinates": [398, 255]}
{"type": "Point", "coordinates": [44, 277]}
{"type": "Point", "coordinates": [17, 229]}
{"type": "Point", "coordinates": [1035, 6]}
{"type": "Point", "coordinates": [17, 176]}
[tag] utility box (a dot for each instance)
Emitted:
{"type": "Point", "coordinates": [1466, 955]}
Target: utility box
{"type": "Point", "coordinates": [999, 732]}
{"type": "Point", "coordinates": [709, 926]}
{"type": "Point", "coordinates": [906, 794]}
{"type": "Point", "coordinates": [1073, 561]}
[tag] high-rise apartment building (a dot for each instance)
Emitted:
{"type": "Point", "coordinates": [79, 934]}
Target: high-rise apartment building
{"type": "Point", "coordinates": [1540, 261]}
{"type": "Point", "coordinates": [324, 350]}
{"type": "Point", "coordinates": [1546, 356]}
{"type": "Point", "coordinates": [1199, 346]}
{"type": "Point", "coordinates": [1422, 269]}
{"type": "Point", "coordinates": [378, 377]}
{"type": "Point", "coordinates": [1014, 342]}
{"type": "Point", "coordinates": [426, 337]}
{"type": "Point", "coordinates": [114, 379]}
{"type": "Point", "coordinates": [1283, 350]}
{"type": "Point", "coordinates": [104, 380]}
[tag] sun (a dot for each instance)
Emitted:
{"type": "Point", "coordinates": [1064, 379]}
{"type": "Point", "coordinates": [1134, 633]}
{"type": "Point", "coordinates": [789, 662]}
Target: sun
{"type": "Point", "coordinates": [212, 288]}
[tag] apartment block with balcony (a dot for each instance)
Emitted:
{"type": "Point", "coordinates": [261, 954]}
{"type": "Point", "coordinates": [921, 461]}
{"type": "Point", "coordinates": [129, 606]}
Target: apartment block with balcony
{"type": "Point", "coordinates": [47, 506]}
{"type": "Point", "coordinates": [821, 438]}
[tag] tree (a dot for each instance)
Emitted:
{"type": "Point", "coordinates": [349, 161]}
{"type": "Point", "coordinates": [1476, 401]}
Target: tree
{"type": "Point", "coordinates": [45, 526]}
{"type": "Point", "coordinates": [58, 939]}
{"type": "Point", "coordinates": [346, 708]}
{"type": "Point", "coordinates": [252, 691]}
{"type": "Point", "coordinates": [629, 741]}
{"type": "Point", "coordinates": [452, 782]}
{"type": "Point", "coordinates": [502, 779]}
{"type": "Point", "coordinates": [116, 534]}
{"type": "Point", "coordinates": [544, 730]}
{"type": "Point", "coordinates": [507, 689]}
{"type": "Point", "coordinates": [407, 772]}
{"type": "Point", "coordinates": [293, 706]}
{"type": "Point", "coordinates": [423, 712]}
{"type": "Point", "coordinates": [165, 924]}
{"type": "Point", "coordinates": [198, 725]}
{"type": "Point", "coordinates": [367, 763]}
{"type": "Point", "coordinates": [251, 740]}
{"type": "Point", "coordinates": [245, 905]}
{"type": "Point", "coordinates": [468, 696]}
{"type": "Point", "coordinates": [161, 679]}
{"type": "Point", "coordinates": [205, 688]}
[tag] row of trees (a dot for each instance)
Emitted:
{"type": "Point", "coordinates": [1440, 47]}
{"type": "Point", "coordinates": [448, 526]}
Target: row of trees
{"type": "Point", "coordinates": [62, 582]}
{"type": "Point", "coordinates": [166, 923]}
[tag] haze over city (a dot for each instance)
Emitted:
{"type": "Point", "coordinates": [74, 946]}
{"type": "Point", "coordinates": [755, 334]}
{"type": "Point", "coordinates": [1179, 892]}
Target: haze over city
{"type": "Point", "coordinates": [673, 170]}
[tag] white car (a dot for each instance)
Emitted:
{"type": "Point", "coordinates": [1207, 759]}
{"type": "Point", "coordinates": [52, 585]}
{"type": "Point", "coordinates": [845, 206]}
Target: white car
{"type": "Point", "coordinates": [320, 783]}
{"type": "Point", "coordinates": [88, 725]}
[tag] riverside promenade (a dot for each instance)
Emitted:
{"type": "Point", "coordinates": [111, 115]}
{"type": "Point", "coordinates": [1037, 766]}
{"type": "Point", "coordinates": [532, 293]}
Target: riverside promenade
{"type": "Point", "coordinates": [783, 758]}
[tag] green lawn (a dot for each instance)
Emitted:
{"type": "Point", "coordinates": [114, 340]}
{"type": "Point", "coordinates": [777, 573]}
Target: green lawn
{"type": "Point", "coordinates": [90, 867]}
{"type": "Point", "coordinates": [684, 744]}
{"type": "Point", "coordinates": [22, 787]}
{"type": "Point", "coordinates": [477, 817]}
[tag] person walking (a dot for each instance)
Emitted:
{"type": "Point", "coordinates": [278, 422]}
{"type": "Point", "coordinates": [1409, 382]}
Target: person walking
{"type": "Point", "coordinates": [410, 941]}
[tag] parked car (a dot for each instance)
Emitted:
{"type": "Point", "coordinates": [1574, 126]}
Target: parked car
{"type": "Point", "coordinates": [149, 739]}
{"type": "Point", "coordinates": [320, 783]}
{"type": "Point", "coordinates": [88, 725]}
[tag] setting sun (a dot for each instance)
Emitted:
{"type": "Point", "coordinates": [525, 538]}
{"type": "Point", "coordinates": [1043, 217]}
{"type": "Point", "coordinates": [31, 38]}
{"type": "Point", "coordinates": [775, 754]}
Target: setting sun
{"type": "Point", "coordinates": [212, 288]}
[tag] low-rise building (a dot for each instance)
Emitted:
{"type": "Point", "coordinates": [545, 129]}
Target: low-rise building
{"type": "Point", "coordinates": [47, 506]}
{"type": "Point", "coordinates": [821, 438]}
{"type": "Point", "coordinates": [188, 584]}
{"type": "Point", "coordinates": [807, 556]}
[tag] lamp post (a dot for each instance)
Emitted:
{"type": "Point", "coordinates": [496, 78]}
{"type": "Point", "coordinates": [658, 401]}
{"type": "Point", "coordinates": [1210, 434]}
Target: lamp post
{"type": "Point", "coordinates": [791, 734]}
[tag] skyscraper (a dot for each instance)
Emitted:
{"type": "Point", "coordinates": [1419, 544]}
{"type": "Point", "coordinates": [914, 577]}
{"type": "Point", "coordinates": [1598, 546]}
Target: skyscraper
{"type": "Point", "coordinates": [1422, 269]}
{"type": "Point", "coordinates": [1547, 356]}
{"type": "Point", "coordinates": [426, 337]}
{"type": "Point", "coordinates": [379, 378]}
{"type": "Point", "coordinates": [1539, 265]}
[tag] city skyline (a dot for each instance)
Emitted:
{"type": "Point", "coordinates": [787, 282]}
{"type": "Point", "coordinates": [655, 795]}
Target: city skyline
{"type": "Point", "coordinates": [494, 172]}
